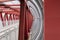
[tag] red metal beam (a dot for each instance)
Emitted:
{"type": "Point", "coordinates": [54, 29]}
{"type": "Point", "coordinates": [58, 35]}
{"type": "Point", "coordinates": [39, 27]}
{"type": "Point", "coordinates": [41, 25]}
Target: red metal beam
{"type": "Point", "coordinates": [25, 21]}
{"type": "Point", "coordinates": [5, 0]}
{"type": "Point", "coordinates": [22, 20]}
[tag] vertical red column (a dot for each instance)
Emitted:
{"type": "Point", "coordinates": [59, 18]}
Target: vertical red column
{"type": "Point", "coordinates": [13, 16]}
{"type": "Point", "coordinates": [22, 20]}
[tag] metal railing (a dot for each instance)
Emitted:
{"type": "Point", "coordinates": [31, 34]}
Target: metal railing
{"type": "Point", "coordinates": [9, 33]}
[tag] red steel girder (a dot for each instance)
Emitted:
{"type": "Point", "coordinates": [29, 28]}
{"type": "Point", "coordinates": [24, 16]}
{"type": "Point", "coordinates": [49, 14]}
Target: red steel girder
{"type": "Point", "coordinates": [22, 20]}
{"type": "Point", "coordinates": [25, 21]}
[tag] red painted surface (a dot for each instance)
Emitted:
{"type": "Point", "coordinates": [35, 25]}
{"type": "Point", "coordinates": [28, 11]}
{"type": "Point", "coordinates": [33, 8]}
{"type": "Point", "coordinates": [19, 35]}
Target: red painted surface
{"type": "Point", "coordinates": [10, 10]}
{"type": "Point", "coordinates": [30, 20]}
{"type": "Point", "coordinates": [4, 0]}
{"type": "Point", "coordinates": [52, 20]}
{"type": "Point", "coordinates": [24, 21]}
{"type": "Point", "coordinates": [28, 23]}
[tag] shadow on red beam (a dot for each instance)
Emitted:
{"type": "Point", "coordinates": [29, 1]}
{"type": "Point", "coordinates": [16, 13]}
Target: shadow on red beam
{"type": "Point", "coordinates": [12, 13]}
{"type": "Point", "coordinates": [13, 4]}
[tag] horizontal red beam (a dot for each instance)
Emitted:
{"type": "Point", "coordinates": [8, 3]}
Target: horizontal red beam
{"type": "Point", "coordinates": [14, 5]}
{"type": "Point", "coordinates": [12, 12]}
{"type": "Point", "coordinates": [4, 0]}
